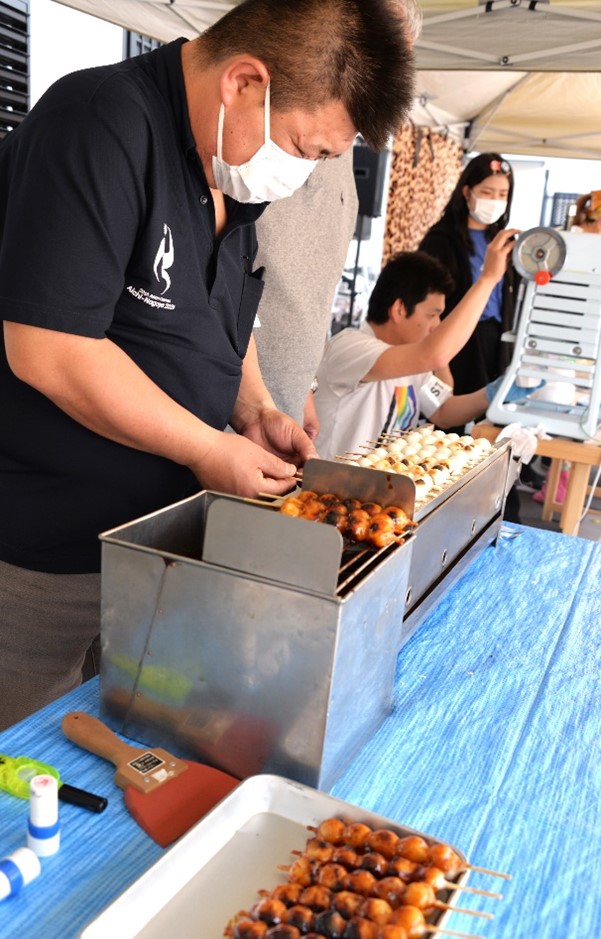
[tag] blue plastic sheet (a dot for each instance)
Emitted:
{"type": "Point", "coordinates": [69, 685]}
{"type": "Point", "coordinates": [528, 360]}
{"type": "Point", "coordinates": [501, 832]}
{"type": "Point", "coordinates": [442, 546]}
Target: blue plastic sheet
{"type": "Point", "coordinates": [493, 745]}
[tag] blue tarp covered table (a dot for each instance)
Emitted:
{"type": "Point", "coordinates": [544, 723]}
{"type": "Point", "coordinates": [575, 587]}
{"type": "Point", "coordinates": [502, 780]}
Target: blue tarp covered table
{"type": "Point", "coordinates": [494, 744]}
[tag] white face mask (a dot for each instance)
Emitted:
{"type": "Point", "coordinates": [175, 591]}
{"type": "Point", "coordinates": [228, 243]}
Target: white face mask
{"type": "Point", "coordinates": [488, 211]}
{"type": "Point", "coordinates": [269, 175]}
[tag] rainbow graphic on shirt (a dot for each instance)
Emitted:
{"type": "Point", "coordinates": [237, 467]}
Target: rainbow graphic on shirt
{"type": "Point", "coordinates": [403, 411]}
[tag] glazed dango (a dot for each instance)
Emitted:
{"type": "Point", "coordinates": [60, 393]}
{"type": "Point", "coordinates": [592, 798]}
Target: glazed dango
{"type": "Point", "coordinates": [317, 897]}
{"type": "Point", "coordinates": [366, 522]}
{"type": "Point", "coordinates": [353, 881]}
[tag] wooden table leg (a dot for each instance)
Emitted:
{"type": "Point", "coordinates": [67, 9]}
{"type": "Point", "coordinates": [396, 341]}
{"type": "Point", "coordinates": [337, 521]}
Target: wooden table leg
{"type": "Point", "coordinates": [574, 500]}
{"type": "Point", "coordinates": [551, 489]}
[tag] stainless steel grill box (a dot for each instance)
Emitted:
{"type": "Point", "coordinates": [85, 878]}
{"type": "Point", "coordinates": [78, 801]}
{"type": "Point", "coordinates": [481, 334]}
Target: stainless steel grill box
{"type": "Point", "coordinates": [252, 641]}
{"type": "Point", "coordinates": [230, 634]}
{"type": "Point", "coordinates": [453, 528]}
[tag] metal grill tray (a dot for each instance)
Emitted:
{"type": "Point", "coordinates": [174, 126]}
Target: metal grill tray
{"type": "Point", "coordinates": [216, 869]}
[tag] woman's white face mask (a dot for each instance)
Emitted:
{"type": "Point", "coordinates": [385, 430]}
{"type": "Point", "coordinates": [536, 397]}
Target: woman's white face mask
{"type": "Point", "coordinates": [269, 175]}
{"type": "Point", "coordinates": [487, 211]}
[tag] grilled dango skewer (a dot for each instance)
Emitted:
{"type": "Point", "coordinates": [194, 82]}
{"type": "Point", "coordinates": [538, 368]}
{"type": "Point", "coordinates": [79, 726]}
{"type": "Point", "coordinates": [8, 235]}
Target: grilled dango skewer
{"type": "Point", "coordinates": [332, 876]}
{"type": "Point", "coordinates": [292, 507]}
{"type": "Point", "coordinates": [422, 895]}
{"type": "Point", "coordinates": [416, 849]}
{"type": "Point", "coordinates": [402, 867]}
{"type": "Point", "coordinates": [381, 530]}
{"type": "Point", "coordinates": [437, 880]}
{"type": "Point", "coordinates": [306, 495]}
{"type": "Point", "coordinates": [356, 835]}
{"type": "Point", "coordinates": [300, 916]}
{"type": "Point", "coordinates": [288, 893]}
{"type": "Point", "coordinates": [314, 509]}
{"type": "Point", "coordinates": [375, 862]}
{"type": "Point", "coordinates": [269, 910]}
{"type": "Point", "coordinates": [357, 524]}
{"type": "Point", "coordinates": [414, 923]}
{"type": "Point", "coordinates": [249, 929]}
{"type": "Point", "coordinates": [443, 856]}
{"type": "Point", "coordinates": [317, 897]}
{"type": "Point", "coordinates": [317, 850]}
{"type": "Point", "coordinates": [283, 931]}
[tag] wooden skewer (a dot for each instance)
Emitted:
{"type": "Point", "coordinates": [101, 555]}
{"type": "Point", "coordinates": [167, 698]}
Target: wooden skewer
{"type": "Point", "coordinates": [458, 909]}
{"type": "Point", "coordinates": [266, 504]}
{"type": "Point", "coordinates": [449, 885]}
{"type": "Point", "coordinates": [485, 870]}
{"type": "Point", "coordinates": [451, 932]}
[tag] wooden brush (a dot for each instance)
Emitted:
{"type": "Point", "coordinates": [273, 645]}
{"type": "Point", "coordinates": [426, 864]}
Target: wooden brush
{"type": "Point", "coordinates": [164, 794]}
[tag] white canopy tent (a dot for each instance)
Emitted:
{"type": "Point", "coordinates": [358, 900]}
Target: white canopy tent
{"type": "Point", "coordinates": [517, 76]}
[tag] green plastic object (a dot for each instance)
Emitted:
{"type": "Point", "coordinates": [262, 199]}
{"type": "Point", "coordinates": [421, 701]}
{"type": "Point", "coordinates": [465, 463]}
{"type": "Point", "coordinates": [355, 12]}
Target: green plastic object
{"type": "Point", "coordinates": [17, 772]}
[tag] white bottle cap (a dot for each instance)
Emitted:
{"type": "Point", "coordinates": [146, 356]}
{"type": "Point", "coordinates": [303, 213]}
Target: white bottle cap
{"type": "Point", "coordinates": [43, 830]}
{"type": "Point", "coordinates": [17, 870]}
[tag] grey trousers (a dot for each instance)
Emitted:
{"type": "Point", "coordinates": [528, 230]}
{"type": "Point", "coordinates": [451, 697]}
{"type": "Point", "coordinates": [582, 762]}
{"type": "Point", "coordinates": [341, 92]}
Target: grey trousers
{"type": "Point", "coordinates": [48, 625]}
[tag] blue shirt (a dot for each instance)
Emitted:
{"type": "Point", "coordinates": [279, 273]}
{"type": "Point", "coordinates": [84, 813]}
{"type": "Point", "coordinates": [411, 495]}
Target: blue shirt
{"type": "Point", "coordinates": [493, 308]}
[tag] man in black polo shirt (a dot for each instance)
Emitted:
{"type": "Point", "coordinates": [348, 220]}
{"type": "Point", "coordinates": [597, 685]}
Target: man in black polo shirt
{"type": "Point", "coordinates": [127, 205]}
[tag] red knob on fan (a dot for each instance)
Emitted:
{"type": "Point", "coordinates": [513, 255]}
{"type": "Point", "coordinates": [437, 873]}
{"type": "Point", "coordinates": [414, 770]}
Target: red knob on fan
{"type": "Point", "coordinates": [542, 278]}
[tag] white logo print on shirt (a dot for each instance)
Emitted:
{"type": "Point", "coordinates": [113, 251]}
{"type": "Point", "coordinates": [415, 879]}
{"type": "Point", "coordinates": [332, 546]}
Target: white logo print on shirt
{"type": "Point", "coordinates": [164, 259]}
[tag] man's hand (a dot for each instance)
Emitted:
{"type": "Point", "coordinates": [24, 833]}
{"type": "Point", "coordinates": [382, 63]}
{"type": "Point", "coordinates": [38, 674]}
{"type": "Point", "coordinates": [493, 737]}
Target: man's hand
{"type": "Point", "coordinates": [513, 393]}
{"type": "Point", "coordinates": [236, 465]}
{"type": "Point", "coordinates": [310, 418]}
{"type": "Point", "coordinates": [497, 252]}
{"type": "Point", "coordinates": [262, 457]}
{"type": "Point", "coordinates": [280, 435]}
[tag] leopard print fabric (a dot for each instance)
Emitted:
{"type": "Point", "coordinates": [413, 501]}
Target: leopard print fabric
{"type": "Point", "coordinates": [425, 167]}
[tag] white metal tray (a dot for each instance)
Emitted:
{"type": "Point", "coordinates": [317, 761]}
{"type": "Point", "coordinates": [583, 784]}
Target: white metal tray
{"type": "Point", "coordinates": [216, 869]}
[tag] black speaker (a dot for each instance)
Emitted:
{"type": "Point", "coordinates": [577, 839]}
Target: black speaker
{"type": "Point", "coordinates": [370, 177]}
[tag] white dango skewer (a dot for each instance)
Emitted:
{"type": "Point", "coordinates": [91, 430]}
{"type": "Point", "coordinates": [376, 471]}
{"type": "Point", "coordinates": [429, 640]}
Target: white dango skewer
{"type": "Point", "coordinates": [457, 461]}
{"type": "Point", "coordinates": [439, 474]}
{"type": "Point", "coordinates": [423, 484]}
{"type": "Point", "coordinates": [483, 444]}
{"type": "Point", "coordinates": [397, 446]}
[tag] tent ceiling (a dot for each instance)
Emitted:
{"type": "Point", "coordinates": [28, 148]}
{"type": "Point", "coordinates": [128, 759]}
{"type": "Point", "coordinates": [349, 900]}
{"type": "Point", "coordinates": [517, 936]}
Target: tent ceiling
{"type": "Point", "coordinates": [544, 35]}
{"type": "Point", "coordinates": [520, 75]}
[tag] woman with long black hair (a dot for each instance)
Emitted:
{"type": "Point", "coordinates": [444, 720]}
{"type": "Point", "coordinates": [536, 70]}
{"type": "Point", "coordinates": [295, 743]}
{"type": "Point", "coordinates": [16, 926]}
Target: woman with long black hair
{"type": "Point", "coordinates": [479, 207]}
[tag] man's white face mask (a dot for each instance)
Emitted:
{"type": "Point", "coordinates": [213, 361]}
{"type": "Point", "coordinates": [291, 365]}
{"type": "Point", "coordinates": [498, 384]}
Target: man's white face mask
{"type": "Point", "coordinates": [269, 175]}
{"type": "Point", "coordinates": [488, 211]}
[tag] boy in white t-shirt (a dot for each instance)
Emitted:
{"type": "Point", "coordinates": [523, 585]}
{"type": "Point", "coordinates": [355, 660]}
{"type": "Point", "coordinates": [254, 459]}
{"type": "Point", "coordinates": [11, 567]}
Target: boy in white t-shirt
{"type": "Point", "coordinates": [379, 378]}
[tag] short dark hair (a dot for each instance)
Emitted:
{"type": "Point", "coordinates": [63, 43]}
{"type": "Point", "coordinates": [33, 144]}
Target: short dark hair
{"type": "Point", "coordinates": [409, 276]}
{"type": "Point", "coordinates": [318, 51]}
{"type": "Point", "coordinates": [478, 169]}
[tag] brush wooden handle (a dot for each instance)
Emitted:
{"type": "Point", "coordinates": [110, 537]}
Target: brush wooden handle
{"type": "Point", "coordinates": [142, 768]}
{"type": "Point", "coordinates": [92, 735]}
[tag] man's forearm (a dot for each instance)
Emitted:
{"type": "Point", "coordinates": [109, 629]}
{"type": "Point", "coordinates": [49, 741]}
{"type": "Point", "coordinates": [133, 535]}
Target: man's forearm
{"type": "Point", "coordinates": [253, 395]}
{"type": "Point", "coordinates": [98, 385]}
{"type": "Point", "coordinates": [459, 409]}
{"type": "Point", "coordinates": [455, 330]}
